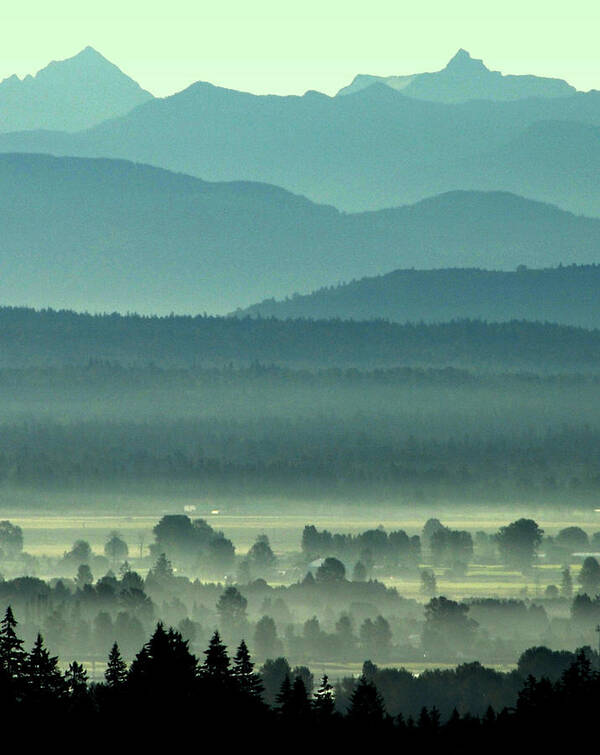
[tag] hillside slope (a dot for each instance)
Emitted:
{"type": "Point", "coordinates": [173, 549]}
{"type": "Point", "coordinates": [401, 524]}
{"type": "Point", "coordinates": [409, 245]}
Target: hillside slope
{"type": "Point", "coordinates": [567, 295]}
{"type": "Point", "coordinates": [108, 235]}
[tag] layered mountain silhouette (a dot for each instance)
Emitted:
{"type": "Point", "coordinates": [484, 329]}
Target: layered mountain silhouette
{"type": "Point", "coordinates": [68, 95]}
{"type": "Point", "coordinates": [566, 295]}
{"type": "Point", "coordinates": [110, 235]}
{"type": "Point", "coordinates": [463, 79]}
{"type": "Point", "coordinates": [372, 149]}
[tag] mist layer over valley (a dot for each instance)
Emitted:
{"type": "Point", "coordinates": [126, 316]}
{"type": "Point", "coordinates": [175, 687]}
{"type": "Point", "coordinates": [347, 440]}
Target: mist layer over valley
{"type": "Point", "coordinates": [312, 409]}
{"type": "Point", "coordinates": [299, 418]}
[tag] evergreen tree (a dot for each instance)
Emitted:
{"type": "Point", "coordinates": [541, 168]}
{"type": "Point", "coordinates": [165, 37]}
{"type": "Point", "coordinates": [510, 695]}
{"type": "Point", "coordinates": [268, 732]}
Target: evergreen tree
{"type": "Point", "coordinates": [298, 705]}
{"type": "Point", "coordinates": [324, 700]}
{"type": "Point", "coordinates": [79, 701]}
{"type": "Point", "coordinates": [41, 672]}
{"type": "Point", "coordinates": [284, 695]}
{"type": "Point", "coordinates": [577, 677]}
{"type": "Point", "coordinates": [216, 664]}
{"type": "Point", "coordinates": [248, 681]}
{"type": "Point", "coordinates": [116, 669]}
{"type": "Point", "coordinates": [164, 666]}
{"type": "Point", "coordinates": [76, 680]}
{"type": "Point", "coordinates": [424, 720]}
{"type": "Point", "coordinates": [489, 718]}
{"type": "Point", "coordinates": [366, 704]}
{"type": "Point", "coordinates": [182, 660]}
{"type": "Point", "coordinates": [12, 653]}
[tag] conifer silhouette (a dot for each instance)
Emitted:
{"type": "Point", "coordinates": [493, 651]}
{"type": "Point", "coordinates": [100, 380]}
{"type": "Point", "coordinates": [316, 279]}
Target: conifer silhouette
{"type": "Point", "coordinates": [116, 669]}
{"type": "Point", "coordinates": [248, 681]}
{"type": "Point", "coordinates": [283, 696]}
{"type": "Point", "coordinates": [216, 664]}
{"type": "Point", "coordinates": [76, 679]}
{"type": "Point", "coordinates": [42, 675]}
{"type": "Point", "coordinates": [324, 700]}
{"type": "Point", "coordinates": [12, 653]}
{"type": "Point", "coordinates": [366, 704]}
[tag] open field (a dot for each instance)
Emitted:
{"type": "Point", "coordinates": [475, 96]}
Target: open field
{"type": "Point", "coordinates": [53, 534]}
{"type": "Point", "coordinates": [242, 520]}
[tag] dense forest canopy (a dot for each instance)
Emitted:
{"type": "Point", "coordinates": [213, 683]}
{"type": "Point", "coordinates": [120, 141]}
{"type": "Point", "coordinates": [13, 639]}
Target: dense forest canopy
{"type": "Point", "coordinates": [405, 433]}
{"type": "Point", "coordinates": [565, 294]}
{"type": "Point", "coordinates": [223, 406]}
{"type": "Point", "coordinates": [48, 337]}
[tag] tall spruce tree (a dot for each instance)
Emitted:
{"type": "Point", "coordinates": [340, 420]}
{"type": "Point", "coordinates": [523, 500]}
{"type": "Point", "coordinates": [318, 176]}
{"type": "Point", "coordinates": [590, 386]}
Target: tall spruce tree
{"type": "Point", "coordinates": [12, 653]}
{"type": "Point", "coordinates": [164, 665]}
{"type": "Point", "coordinates": [42, 675]}
{"type": "Point", "coordinates": [216, 664]}
{"type": "Point", "coordinates": [284, 695]}
{"type": "Point", "coordinates": [298, 705]}
{"type": "Point", "coordinates": [247, 680]}
{"type": "Point", "coordinates": [76, 680]}
{"type": "Point", "coordinates": [116, 669]}
{"type": "Point", "coordinates": [366, 704]}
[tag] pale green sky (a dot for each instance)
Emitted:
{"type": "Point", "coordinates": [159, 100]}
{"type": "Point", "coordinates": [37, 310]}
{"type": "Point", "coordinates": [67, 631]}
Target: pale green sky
{"type": "Point", "coordinates": [289, 46]}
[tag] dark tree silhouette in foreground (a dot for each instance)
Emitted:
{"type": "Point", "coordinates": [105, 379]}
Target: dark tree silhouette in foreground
{"type": "Point", "coordinates": [116, 669]}
{"type": "Point", "coordinates": [248, 681]}
{"type": "Point", "coordinates": [366, 704]}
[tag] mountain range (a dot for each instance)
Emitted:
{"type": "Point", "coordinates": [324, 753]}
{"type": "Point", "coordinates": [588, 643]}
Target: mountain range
{"type": "Point", "coordinates": [372, 149]}
{"type": "Point", "coordinates": [463, 79]}
{"type": "Point", "coordinates": [565, 294]}
{"type": "Point", "coordinates": [108, 235]}
{"type": "Point", "coordinates": [68, 95]}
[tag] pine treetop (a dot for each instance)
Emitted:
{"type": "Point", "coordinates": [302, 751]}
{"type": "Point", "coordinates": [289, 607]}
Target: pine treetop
{"type": "Point", "coordinates": [217, 661]}
{"type": "Point", "coordinates": [116, 669]}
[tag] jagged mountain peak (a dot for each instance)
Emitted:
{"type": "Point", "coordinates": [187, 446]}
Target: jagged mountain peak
{"type": "Point", "coordinates": [463, 62]}
{"type": "Point", "coordinates": [68, 95]}
{"type": "Point", "coordinates": [463, 79]}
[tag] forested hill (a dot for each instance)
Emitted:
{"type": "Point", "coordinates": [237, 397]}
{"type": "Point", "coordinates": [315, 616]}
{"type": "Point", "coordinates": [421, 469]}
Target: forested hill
{"type": "Point", "coordinates": [48, 337]}
{"type": "Point", "coordinates": [110, 235]}
{"type": "Point", "coordinates": [567, 295]}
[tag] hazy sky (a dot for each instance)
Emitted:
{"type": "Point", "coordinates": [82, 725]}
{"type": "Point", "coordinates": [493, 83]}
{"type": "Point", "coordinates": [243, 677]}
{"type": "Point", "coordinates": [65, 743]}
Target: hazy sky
{"type": "Point", "coordinates": [289, 46]}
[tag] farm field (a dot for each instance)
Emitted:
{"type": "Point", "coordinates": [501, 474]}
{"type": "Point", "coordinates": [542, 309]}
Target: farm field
{"type": "Point", "coordinates": [47, 534]}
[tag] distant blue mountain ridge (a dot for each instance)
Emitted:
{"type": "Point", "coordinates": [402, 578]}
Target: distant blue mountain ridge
{"type": "Point", "coordinates": [375, 147]}
{"type": "Point", "coordinates": [104, 235]}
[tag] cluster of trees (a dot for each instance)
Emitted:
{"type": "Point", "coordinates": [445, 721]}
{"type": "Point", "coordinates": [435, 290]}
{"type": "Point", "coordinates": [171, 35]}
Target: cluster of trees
{"type": "Point", "coordinates": [11, 540]}
{"type": "Point", "coordinates": [447, 547]}
{"type": "Point", "coordinates": [79, 560]}
{"type": "Point", "coordinates": [332, 609]}
{"type": "Point", "coordinates": [307, 457]}
{"type": "Point", "coordinates": [81, 615]}
{"type": "Point", "coordinates": [51, 337]}
{"type": "Point", "coordinates": [547, 295]}
{"type": "Point", "coordinates": [324, 617]}
{"type": "Point", "coordinates": [366, 548]}
{"type": "Point", "coordinates": [516, 545]}
{"type": "Point", "coordinates": [409, 433]}
{"type": "Point", "coordinates": [166, 679]}
{"type": "Point", "coordinates": [193, 543]}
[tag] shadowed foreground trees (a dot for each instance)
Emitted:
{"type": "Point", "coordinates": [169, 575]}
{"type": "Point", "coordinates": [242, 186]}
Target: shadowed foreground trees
{"type": "Point", "coordinates": [168, 682]}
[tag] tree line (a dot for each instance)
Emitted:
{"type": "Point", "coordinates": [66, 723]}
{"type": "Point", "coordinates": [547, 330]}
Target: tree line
{"type": "Point", "coordinates": [306, 458]}
{"type": "Point", "coordinates": [47, 336]}
{"type": "Point", "coordinates": [166, 682]}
